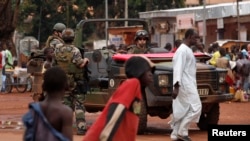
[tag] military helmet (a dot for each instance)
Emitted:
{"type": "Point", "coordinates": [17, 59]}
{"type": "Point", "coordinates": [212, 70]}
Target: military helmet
{"type": "Point", "coordinates": [59, 27]}
{"type": "Point", "coordinates": [68, 34]}
{"type": "Point", "coordinates": [141, 34]}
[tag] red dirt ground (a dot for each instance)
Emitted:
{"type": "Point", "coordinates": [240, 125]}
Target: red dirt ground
{"type": "Point", "coordinates": [14, 105]}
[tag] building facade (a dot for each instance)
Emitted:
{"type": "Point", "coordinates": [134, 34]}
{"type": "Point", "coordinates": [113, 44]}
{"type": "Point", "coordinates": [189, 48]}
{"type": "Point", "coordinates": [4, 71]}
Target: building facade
{"type": "Point", "coordinates": [214, 22]}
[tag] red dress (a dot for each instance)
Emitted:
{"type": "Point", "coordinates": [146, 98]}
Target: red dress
{"type": "Point", "coordinates": [127, 129]}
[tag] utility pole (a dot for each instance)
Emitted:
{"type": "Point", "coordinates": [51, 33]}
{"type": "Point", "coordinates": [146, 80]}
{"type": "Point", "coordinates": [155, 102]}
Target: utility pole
{"type": "Point", "coordinates": [204, 22]}
{"type": "Point", "coordinates": [40, 22]}
{"type": "Point", "coordinates": [126, 12]}
{"type": "Point", "coordinates": [106, 23]}
{"type": "Point", "coordinates": [67, 10]}
{"type": "Point", "coordinates": [238, 20]}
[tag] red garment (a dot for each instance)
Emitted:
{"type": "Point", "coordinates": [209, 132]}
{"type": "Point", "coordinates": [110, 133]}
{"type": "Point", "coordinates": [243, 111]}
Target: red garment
{"type": "Point", "coordinates": [127, 130]}
{"type": "Point", "coordinates": [174, 49]}
{"type": "Point", "coordinates": [229, 80]}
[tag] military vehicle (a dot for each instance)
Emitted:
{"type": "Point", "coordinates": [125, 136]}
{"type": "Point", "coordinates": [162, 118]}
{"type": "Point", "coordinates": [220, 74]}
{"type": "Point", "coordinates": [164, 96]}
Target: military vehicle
{"type": "Point", "coordinates": [107, 73]}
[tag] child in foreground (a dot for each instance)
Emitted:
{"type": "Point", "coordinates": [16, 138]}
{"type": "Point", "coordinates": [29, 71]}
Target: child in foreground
{"type": "Point", "coordinates": [119, 119]}
{"type": "Point", "coordinates": [50, 120]}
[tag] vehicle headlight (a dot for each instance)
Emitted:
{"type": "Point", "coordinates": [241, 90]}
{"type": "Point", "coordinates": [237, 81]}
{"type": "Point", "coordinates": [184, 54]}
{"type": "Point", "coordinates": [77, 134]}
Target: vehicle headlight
{"type": "Point", "coordinates": [222, 77]}
{"type": "Point", "coordinates": [162, 80]}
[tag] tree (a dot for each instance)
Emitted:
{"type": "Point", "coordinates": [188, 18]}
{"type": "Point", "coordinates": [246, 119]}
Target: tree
{"type": "Point", "coordinates": [38, 16]}
{"type": "Point", "coordinates": [9, 11]}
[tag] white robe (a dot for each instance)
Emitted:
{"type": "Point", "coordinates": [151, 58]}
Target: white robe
{"type": "Point", "coordinates": [188, 100]}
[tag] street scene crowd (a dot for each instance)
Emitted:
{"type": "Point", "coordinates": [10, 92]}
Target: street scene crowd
{"type": "Point", "coordinates": [58, 83]}
{"type": "Point", "coordinates": [56, 76]}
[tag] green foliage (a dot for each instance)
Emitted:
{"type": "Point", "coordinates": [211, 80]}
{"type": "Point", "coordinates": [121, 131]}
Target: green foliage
{"type": "Point", "coordinates": [45, 13]}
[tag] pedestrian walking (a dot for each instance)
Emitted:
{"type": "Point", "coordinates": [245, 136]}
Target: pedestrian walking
{"type": "Point", "coordinates": [215, 55]}
{"type": "Point", "coordinates": [224, 62]}
{"type": "Point", "coordinates": [186, 101]}
{"type": "Point", "coordinates": [7, 64]}
{"type": "Point", "coordinates": [41, 123]}
{"type": "Point", "coordinates": [119, 119]}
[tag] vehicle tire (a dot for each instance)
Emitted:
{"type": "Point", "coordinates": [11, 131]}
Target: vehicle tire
{"type": "Point", "coordinates": [21, 87]}
{"type": "Point", "coordinates": [8, 85]}
{"type": "Point", "coordinates": [211, 117]}
{"type": "Point", "coordinates": [143, 118]}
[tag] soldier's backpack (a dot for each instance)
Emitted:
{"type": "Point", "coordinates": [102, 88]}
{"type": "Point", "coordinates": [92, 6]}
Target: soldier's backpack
{"type": "Point", "coordinates": [64, 56]}
{"type": "Point", "coordinates": [53, 41]}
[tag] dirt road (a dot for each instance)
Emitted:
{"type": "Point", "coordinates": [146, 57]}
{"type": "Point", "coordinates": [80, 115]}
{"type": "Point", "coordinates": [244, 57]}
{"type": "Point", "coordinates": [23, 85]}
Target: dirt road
{"type": "Point", "coordinates": [14, 105]}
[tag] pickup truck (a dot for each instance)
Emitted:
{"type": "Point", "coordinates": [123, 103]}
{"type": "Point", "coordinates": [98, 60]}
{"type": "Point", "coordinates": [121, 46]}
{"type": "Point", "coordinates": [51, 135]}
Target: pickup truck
{"type": "Point", "coordinates": [107, 73]}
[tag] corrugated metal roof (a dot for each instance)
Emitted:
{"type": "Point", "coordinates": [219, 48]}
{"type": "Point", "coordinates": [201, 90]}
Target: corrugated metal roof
{"type": "Point", "coordinates": [196, 2]}
{"type": "Point", "coordinates": [212, 11]}
{"type": "Point", "coordinates": [223, 41]}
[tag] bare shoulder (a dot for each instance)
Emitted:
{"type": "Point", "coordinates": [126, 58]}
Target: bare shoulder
{"type": "Point", "coordinates": [66, 109]}
{"type": "Point", "coordinates": [63, 111]}
{"type": "Point", "coordinates": [66, 116]}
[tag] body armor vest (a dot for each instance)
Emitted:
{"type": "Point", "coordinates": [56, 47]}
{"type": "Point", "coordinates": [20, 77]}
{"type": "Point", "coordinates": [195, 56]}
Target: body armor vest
{"type": "Point", "coordinates": [64, 57]}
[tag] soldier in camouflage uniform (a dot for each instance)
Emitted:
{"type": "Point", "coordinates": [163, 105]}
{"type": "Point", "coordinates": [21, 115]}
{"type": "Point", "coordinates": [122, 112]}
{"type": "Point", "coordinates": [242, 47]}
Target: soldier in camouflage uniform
{"type": "Point", "coordinates": [141, 39]}
{"type": "Point", "coordinates": [70, 59]}
{"type": "Point", "coordinates": [52, 41]}
{"type": "Point", "coordinates": [56, 37]}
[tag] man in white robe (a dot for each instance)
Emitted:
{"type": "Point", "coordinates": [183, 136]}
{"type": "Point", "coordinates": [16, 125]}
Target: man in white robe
{"type": "Point", "coordinates": [186, 101]}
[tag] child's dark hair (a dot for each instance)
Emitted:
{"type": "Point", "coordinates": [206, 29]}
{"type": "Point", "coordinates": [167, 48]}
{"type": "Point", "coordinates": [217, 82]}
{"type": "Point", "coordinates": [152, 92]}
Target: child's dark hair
{"type": "Point", "coordinates": [15, 63]}
{"type": "Point", "coordinates": [136, 66]}
{"type": "Point", "coordinates": [54, 79]}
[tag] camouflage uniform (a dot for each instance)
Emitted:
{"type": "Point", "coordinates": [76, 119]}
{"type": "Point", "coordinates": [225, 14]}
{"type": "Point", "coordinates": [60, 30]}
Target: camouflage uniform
{"type": "Point", "coordinates": [69, 58]}
{"type": "Point", "coordinates": [53, 40]}
{"type": "Point", "coordinates": [133, 49]}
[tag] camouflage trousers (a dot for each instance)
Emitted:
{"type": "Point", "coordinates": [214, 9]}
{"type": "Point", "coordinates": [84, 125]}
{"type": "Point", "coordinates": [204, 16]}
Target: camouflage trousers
{"type": "Point", "coordinates": [76, 103]}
